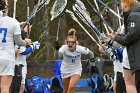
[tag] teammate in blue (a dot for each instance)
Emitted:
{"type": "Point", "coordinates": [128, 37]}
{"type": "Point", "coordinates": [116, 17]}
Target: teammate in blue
{"type": "Point", "coordinates": [22, 53]}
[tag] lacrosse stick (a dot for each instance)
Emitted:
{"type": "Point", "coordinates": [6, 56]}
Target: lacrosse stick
{"type": "Point", "coordinates": [15, 5]}
{"type": "Point", "coordinates": [101, 16]}
{"type": "Point", "coordinates": [109, 17]}
{"type": "Point", "coordinates": [106, 25]}
{"type": "Point", "coordinates": [28, 24]}
{"type": "Point", "coordinates": [110, 10]}
{"type": "Point", "coordinates": [117, 7]}
{"type": "Point", "coordinates": [37, 8]}
{"type": "Point", "coordinates": [57, 9]}
{"type": "Point", "coordinates": [80, 11]}
{"type": "Point", "coordinates": [84, 15]}
{"type": "Point", "coordinates": [76, 20]}
{"type": "Point", "coordinates": [58, 29]}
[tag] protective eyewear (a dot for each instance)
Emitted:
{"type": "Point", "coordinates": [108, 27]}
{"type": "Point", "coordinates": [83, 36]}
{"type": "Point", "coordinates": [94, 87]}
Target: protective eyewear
{"type": "Point", "coordinates": [71, 42]}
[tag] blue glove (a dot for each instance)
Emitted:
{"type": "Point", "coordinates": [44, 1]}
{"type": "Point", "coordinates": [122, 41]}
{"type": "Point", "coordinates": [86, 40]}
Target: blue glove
{"type": "Point", "coordinates": [35, 45]}
{"type": "Point", "coordinates": [120, 53]}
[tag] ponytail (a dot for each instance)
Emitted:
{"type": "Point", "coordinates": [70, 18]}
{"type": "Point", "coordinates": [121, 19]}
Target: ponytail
{"type": "Point", "coordinates": [72, 34]}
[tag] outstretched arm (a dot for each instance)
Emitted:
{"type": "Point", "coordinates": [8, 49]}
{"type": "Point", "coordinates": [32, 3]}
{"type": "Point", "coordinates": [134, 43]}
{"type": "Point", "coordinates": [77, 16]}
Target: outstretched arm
{"type": "Point", "coordinates": [58, 54]}
{"type": "Point", "coordinates": [90, 53]}
{"type": "Point", "coordinates": [133, 33]}
{"type": "Point", "coordinates": [27, 51]}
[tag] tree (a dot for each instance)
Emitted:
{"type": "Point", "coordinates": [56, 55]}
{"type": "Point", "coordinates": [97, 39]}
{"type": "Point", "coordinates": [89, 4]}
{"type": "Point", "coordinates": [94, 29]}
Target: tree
{"type": "Point", "coordinates": [46, 52]}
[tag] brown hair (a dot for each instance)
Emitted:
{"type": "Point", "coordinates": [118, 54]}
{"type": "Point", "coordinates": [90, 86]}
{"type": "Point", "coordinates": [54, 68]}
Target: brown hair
{"type": "Point", "coordinates": [129, 2]}
{"type": "Point", "coordinates": [71, 34]}
{"type": "Point", "coordinates": [2, 2]}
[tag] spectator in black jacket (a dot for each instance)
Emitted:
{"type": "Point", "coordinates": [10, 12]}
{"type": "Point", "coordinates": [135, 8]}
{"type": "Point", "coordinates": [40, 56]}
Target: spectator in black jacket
{"type": "Point", "coordinates": [131, 39]}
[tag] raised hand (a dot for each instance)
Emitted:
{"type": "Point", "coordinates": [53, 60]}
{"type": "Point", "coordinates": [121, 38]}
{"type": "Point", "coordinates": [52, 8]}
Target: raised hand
{"type": "Point", "coordinates": [35, 45]}
{"type": "Point", "coordinates": [56, 45]}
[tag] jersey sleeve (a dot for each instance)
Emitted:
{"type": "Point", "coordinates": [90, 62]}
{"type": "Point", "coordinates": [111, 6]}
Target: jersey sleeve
{"type": "Point", "coordinates": [22, 49]}
{"type": "Point", "coordinates": [83, 50]}
{"type": "Point", "coordinates": [26, 51]}
{"type": "Point", "coordinates": [17, 29]}
{"type": "Point", "coordinates": [62, 49]}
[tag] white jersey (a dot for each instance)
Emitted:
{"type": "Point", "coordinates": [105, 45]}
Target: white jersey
{"type": "Point", "coordinates": [8, 28]}
{"type": "Point", "coordinates": [118, 67]}
{"type": "Point", "coordinates": [72, 60]}
{"type": "Point", "coordinates": [21, 59]}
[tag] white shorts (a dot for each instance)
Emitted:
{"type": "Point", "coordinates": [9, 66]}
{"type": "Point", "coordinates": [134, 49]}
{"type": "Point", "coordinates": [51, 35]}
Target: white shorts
{"type": "Point", "coordinates": [115, 75]}
{"type": "Point", "coordinates": [125, 62]}
{"type": "Point", "coordinates": [66, 75]}
{"type": "Point", "coordinates": [24, 72]}
{"type": "Point", "coordinates": [7, 67]}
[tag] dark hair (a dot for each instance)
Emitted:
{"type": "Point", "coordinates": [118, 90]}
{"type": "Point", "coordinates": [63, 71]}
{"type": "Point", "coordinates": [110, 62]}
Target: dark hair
{"type": "Point", "coordinates": [2, 5]}
{"type": "Point", "coordinates": [23, 34]}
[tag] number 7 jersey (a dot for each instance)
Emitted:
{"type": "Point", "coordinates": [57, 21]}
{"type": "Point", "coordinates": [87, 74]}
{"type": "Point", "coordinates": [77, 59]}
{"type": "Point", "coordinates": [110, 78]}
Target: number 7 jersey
{"type": "Point", "coordinates": [8, 28]}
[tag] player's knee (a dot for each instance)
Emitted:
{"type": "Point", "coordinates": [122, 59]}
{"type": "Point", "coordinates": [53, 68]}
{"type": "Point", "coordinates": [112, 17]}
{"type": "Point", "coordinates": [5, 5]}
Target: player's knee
{"type": "Point", "coordinates": [21, 89]}
{"type": "Point", "coordinates": [65, 90]}
{"type": "Point", "coordinates": [129, 82]}
{"type": "Point", "coordinates": [5, 90]}
{"type": "Point", "coordinates": [71, 87]}
{"type": "Point", "coordinates": [114, 88]}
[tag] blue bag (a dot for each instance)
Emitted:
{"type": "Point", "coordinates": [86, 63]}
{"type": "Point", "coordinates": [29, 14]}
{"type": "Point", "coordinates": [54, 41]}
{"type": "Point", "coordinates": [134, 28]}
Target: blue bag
{"type": "Point", "coordinates": [56, 85]}
{"type": "Point", "coordinates": [39, 86]}
{"type": "Point", "coordinates": [96, 84]}
{"type": "Point", "coordinates": [56, 67]}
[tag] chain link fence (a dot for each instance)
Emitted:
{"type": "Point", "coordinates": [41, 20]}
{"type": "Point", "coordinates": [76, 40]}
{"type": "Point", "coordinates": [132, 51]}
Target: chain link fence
{"type": "Point", "coordinates": [44, 69]}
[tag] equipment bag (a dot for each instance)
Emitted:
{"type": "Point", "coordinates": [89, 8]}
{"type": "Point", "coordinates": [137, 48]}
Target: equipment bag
{"type": "Point", "coordinates": [38, 85]}
{"type": "Point", "coordinates": [96, 83]}
{"type": "Point", "coordinates": [56, 84]}
{"type": "Point", "coordinates": [56, 67]}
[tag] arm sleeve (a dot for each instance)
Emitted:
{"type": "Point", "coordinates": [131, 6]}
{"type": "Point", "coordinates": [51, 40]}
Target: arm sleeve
{"type": "Point", "coordinates": [17, 29]}
{"type": "Point", "coordinates": [62, 49]}
{"type": "Point", "coordinates": [58, 55]}
{"type": "Point", "coordinates": [19, 41]}
{"type": "Point", "coordinates": [133, 33]}
{"type": "Point", "coordinates": [90, 53]}
{"type": "Point", "coordinates": [27, 51]}
{"type": "Point", "coordinates": [84, 50]}
{"type": "Point", "coordinates": [116, 45]}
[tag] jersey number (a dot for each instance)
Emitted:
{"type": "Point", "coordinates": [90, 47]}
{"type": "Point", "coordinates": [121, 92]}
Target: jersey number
{"type": "Point", "coordinates": [3, 31]}
{"type": "Point", "coordinates": [73, 60]}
